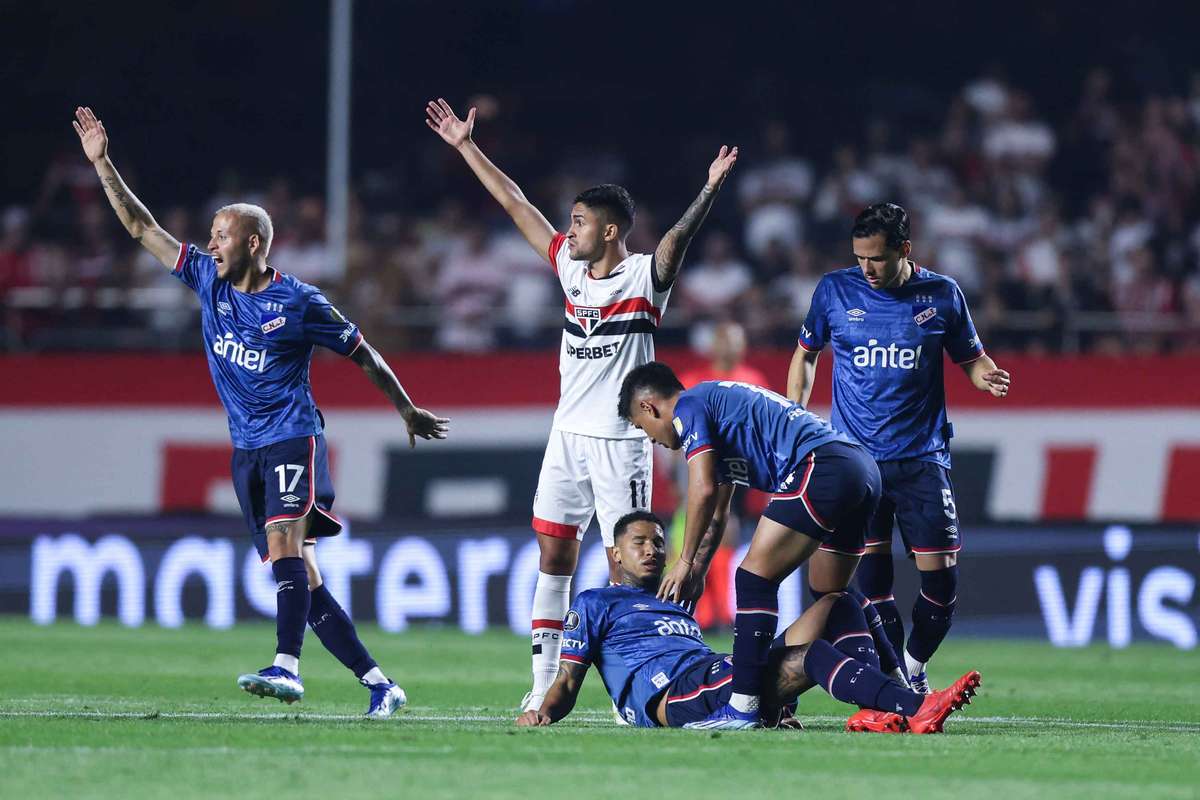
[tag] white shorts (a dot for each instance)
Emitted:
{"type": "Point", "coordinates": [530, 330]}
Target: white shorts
{"type": "Point", "coordinates": [584, 475]}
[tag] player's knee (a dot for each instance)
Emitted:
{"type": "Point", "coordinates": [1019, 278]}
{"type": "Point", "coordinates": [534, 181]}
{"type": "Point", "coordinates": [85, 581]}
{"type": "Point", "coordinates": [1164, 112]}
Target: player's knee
{"type": "Point", "coordinates": [557, 556]}
{"type": "Point", "coordinates": [284, 540]}
{"type": "Point", "coordinates": [940, 586]}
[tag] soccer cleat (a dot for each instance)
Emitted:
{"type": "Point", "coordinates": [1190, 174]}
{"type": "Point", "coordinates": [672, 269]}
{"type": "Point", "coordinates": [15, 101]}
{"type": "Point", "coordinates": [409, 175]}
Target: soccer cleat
{"type": "Point", "coordinates": [919, 683]}
{"type": "Point", "coordinates": [868, 720]}
{"type": "Point", "coordinates": [931, 716]}
{"type": "Point", "coordinates": [273, 682]}
{"type": "Point", "coordinates": [386, 699]}
{"type": "Point", "coordinates": [532, 702]}
{"type": "Point", "coordinates": [727, 718]}
{"type": "Point", "coordinates": [617, 716]}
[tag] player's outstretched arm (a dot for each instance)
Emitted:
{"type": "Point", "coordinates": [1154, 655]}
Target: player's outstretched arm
{"type": "Point", "coordinates": [419, 421]}
{"type": "Point", "coordinates": [802, 372]}
{"type": "Point", "coordinates": [669, 255]}
{"type": "Point", "coordinates": [457, 133]}
{"type": "Point", "coordinates": [702, 495]}
{"type": "Point", "coordinates": [987, 377]}
{"type": "Point", "coordinates": [561, 697]}
{"type": "Point", "coordinates": [133, 215]}
{"type": "Point", "coordinates": [709, 544]}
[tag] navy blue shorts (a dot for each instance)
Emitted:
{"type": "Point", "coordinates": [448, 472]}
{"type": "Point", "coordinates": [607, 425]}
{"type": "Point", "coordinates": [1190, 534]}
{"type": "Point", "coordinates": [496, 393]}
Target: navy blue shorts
{"type": "Point", "coordinates": [285, 481]}
{"type": "Point", "coordinates": [837, 492]}
{"type": "Point", "coordinates": [699, 691]}
{"type": "Point", "coordinates": [919, 499]}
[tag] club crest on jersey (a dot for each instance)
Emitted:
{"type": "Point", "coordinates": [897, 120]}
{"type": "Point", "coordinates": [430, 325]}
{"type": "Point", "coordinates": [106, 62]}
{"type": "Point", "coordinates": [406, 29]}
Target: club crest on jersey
{"type": "Point", "coordinates": [587, 317]}
{"type": "Point", "coordinates": [572, 621]}
{"type": "Point", "coordinates": [924, 315]}
{"type": "Point", "coordinates": [855, 315]}
{"type": "Point", "coordinates": [270, 322]}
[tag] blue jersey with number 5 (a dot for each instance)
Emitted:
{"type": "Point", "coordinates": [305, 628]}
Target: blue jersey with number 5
{"type": "Point", "coordinates": [758, 436]}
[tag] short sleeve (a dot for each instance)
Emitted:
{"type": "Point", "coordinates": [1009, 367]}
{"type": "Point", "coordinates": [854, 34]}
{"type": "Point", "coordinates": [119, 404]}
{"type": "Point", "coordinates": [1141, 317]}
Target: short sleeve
{"type": "Point", "coordinates": [692, 424]}
{"type": "Point", "coordinates": [962, 340]}
{"type": "Point", "coordinates": [194, 267]}
{"type": "Point", "coordinates": [814, 333]}
{"type": "Point", "coordinates": [581, 632]}
{"type": "Point", "coordinates": [324, 325]}
{"type": "Point", "coordinates": [558, 253]}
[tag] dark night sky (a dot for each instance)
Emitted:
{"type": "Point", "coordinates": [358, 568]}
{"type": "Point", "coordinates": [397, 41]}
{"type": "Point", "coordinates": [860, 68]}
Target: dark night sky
{"type": "Point", "coordinates": [188, 88]}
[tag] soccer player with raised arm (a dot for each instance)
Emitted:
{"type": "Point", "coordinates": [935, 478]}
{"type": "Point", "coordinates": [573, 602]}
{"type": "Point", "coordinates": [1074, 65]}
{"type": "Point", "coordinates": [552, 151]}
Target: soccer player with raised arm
{"type": "Point", "coordinates": [889, 321]}
{"type": "Point", "coordinates": [824, 490]}
{"type": "Point", "coordinates": [658, 670]}
{"type": "Point", "coordinates": [596, 463]}
{"type": "Point", "coordinates": [260, 326]}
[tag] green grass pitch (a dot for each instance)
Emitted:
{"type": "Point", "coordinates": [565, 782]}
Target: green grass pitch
{"type": "Point", "coordinates": [113, 712]}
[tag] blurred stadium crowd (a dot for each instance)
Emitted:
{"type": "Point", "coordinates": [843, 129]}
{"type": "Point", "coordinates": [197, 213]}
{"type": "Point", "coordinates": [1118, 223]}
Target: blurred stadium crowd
{"type": "Point", "coordinates": [1072, 229]}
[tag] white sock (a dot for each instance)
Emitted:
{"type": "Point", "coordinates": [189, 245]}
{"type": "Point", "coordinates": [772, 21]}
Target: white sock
{"type": "Point", "coordinates": [551, 599]}
{"type": "Point", "coordinates": [374, 676]}
{"type": "Point", "coordinates": [744, 702]}
{"type": "Point", "coordinates": [290, 663]}
{"type": "Point", "coordinates": [915, 667]}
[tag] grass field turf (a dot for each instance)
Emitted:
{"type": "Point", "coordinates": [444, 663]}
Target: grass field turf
{"type": "Point", "coordinates": [114, 712]}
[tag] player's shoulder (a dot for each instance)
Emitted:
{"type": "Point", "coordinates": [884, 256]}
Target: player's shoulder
{"type": "Point", "coordinates": [924, 276]}
{"type": "Point", "coordinates": [845, 276]}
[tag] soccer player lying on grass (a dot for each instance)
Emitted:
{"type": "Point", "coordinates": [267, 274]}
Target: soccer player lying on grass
{"type": "Point", "coordinates": [660, 673]}
{"type": "Point", "coordinates": [260, 326]}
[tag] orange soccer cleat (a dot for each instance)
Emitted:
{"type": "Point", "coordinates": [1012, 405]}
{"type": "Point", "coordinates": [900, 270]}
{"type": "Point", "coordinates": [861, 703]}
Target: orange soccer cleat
{"type": "Point", "coordinates": [932, 714]}
{"type": "Point", "coordinates": [868, 720]}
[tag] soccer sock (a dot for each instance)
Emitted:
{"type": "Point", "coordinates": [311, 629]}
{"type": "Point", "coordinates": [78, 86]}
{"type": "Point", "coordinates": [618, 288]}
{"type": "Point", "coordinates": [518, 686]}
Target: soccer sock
{"type": "Point", "coordinates": [932, 614]}
{"type": "Point", "coordinates": [875, 577]}
{"type": "Point", "coordinates": [854, 682]}
{"type": "Point", "coordinates": [846, 629]}
{"type": "Point", "coordinates": [753, 631]}
{"type": "Point", "coordinates": [334, 628]}
{"type": "Point", "coordinates": [292, 601]}
{"type": "Point", "coordinates": [888, 661]}
{"type": "Point", "coordinates": [551, 599]}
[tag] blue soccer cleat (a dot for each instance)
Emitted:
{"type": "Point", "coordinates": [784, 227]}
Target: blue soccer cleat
{"type": "Point", "coordinates": [727, 718]}
{"type": "Point", "coordinates": [386, 699]}
{"type": "Point", "coordinates": [273, 682]}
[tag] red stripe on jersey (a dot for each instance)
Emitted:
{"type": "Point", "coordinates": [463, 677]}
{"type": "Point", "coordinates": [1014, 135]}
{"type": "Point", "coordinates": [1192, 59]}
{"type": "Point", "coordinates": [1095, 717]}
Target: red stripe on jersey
{"type": "Point", "coordinates": [182, 252]}
{"type": "Point", "coordinates": [572, 659]}
{"type": "Point", "coordinates": [556, 624]}
{"type": "Point", "coordinates": [632, 305]}
{"type": "Point", "coordinates": [556, 529]}
{"type": "Point", "coordinates": [555, 245]}
{"type": "Point", "coordinates": [704, 448]}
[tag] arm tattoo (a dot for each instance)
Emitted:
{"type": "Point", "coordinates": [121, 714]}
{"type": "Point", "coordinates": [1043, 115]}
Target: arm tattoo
{"type": "Point", "coordinates": [674, 244]}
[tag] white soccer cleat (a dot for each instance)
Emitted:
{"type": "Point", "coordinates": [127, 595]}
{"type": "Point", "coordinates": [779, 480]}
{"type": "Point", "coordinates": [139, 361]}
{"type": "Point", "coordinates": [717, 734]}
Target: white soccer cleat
{"type": "Point", "coordinates": [617, 718]}
{"type": "Point", "coordinates": [386, 699]}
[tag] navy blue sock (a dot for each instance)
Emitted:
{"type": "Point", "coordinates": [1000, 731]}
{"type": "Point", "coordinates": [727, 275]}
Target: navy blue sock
{"type": "Point", "coordinates": [888, 660]}
{"type": "Point", "coordinates": [333, 627]}
{"type": "Point", "coordinates": [875, 577]}
{"type": "Point", "coordinates": [753, 629]}
{"type": "Point", "coordinates": [933, 612]}
{"type": "Point", "coordinates": [846, 629]}
{"type": "Point", "coordinates": [292, 601]}
{"type": "Point", "coordinates": [855, 682]}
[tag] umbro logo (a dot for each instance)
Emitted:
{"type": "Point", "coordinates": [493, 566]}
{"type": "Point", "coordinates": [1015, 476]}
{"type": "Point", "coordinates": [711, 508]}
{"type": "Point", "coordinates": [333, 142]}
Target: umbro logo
{"type": "Point", "coordinates": [290, 498]}
{"type": "Point", "coordinates": [224, 308]}
{"type": "Point", "coordinates": [640, 606]}
{"type": "Point", "coordinates": [952, 530]}
{"type": "Point", "coordinates": [855, 315]}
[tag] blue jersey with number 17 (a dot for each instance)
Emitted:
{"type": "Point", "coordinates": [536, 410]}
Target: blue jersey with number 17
{"type": "Point", "coordinates": [759, 437]}
{"type": "Point", "coordinates": [888, 393]}
{"type": "Point", "coordinates": [259, 347]}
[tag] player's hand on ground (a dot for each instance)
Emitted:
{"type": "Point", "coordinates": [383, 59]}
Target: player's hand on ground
{"type": "Point", "coordinates": [446, 124]}
{"type": "Point", "coordinates": [673, 583]}
{"type": "Point", "coordinates": [533, 719]}
{"type": "Point", "coordinates": [424, 424]}
{"type": "Point", "coordinates": [720, 167]}
{"type": "Point", "coordinates": [91, 132]}
{"type": "Point", "coordinates": [996, 381]}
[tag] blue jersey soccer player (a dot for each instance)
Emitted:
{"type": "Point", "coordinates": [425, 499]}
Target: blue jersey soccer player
{"type": "Point", "coordinates": [889, 322]}
{"type": "Point", "coordinates": [824, 487]}
{"type": "Point", "coordinates": [260, 326]}
{"type": "Point", "coordinates": [660, 673]}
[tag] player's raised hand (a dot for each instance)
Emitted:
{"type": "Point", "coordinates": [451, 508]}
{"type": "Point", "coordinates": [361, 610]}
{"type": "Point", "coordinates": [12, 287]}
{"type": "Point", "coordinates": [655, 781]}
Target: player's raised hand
{"type": "Point", "coordinates": [721, 165]}
{"type": "Point", "coordinates": [996, 381]}
{"type": "Point", "coordinates": [533, 719]}
{"type": "Point", "coordinates": [446, 124]}
{"type": "Point", "coordinates": [424, 424]}
{"type": "Point", "coordinates": [675, 581]}
{"type": "Point", "coordinates": [91, 132]}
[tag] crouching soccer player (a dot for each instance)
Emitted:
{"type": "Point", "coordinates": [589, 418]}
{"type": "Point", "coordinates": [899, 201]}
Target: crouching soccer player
{"type": "Point", "coordinates": [660, 673]}
{"type": "Point", "coordinates": [260, 327]}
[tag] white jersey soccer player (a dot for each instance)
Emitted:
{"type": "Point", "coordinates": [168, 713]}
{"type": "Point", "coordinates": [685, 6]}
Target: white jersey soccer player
{"type": "Point", "coordinates": [596, 463]}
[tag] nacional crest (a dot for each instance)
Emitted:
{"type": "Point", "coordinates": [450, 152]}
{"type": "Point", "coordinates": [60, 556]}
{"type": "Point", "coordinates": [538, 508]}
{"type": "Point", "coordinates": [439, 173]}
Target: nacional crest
{"type": "Point", "coordinates": [271, 322]}
{"type": "Point", "coordinates": [924, 315]}
{"type": "Point", "coordinates": [587, 317]}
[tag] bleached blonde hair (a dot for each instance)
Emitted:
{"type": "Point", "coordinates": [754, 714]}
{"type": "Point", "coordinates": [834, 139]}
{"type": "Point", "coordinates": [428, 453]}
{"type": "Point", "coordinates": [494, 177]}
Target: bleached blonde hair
{"type": "Point", "coordinates": [258, 218]}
